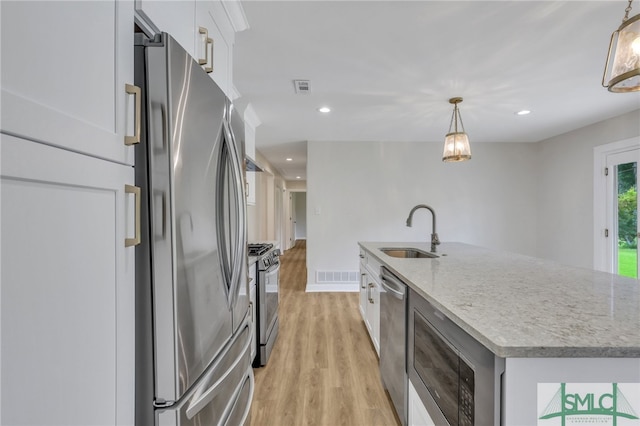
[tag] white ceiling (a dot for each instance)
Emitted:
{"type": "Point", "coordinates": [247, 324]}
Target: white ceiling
{"type": "Point", "coordinates": [388, 68]}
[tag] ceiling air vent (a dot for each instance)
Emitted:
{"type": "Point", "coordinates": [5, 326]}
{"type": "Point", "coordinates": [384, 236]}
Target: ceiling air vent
{"type": "Point", "coordinates": [302, 86]}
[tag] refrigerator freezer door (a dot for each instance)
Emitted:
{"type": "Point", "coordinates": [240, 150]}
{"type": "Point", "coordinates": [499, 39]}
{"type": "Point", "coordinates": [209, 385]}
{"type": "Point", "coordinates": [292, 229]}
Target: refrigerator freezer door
{"type": "Point", "coordinates": [223, 394]}
{"type": "Point", "coordinates": [191, 295]}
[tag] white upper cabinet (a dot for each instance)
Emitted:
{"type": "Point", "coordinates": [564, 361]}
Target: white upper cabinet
{"type": "Point", "coordinates": [174, 17]}
{"type": "Point", "coordinates": [65, 67]}
{"type": "Point", "coordinates": [205, 29]}
{"type": "Point", "coordinates": [212, 48]}
{"type": "Point", "coordinates": [251, 122]}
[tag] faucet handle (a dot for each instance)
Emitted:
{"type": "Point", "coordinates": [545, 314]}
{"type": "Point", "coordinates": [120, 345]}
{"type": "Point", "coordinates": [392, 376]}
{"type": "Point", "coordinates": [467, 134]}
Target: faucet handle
{"type": "Point", "coordinates": [435, 239]}
{"type": "Point", "coordinates": [434, 242]}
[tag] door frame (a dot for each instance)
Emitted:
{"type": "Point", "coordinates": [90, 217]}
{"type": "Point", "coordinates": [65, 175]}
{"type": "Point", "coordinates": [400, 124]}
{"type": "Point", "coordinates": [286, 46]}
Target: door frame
{"type": "Point", "coordinates": [292, 217]}
{"type": "Point", "coordinates": [602, 249]}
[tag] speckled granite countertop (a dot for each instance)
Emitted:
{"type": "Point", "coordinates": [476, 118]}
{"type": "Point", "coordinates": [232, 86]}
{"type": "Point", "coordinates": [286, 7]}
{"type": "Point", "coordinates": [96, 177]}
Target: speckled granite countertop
{"type": "Point", "coordinates": [520, 306]}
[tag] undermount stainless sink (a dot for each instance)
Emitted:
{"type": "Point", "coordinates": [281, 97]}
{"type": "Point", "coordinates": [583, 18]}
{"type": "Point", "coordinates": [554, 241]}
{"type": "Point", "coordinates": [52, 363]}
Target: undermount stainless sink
{"type": "Point", "coordinates": [408, 253]}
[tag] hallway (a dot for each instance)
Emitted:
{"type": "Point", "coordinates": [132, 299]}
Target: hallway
{"type": "Point", "coordinates": [323, 369]}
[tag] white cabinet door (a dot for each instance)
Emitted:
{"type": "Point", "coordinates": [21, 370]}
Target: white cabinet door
{"type": "Point", "coordinates": [66, 289]}
{"type": "Point", "coordinates": [373, 312]}
{"type": "Point", "coordinates": [176, 17]}
{"type": "Point", "coordinates": [250, 152]}
{"type": "Point", "coordinates": [373, 307]}
{"type": "Point", "coordinates": [211, 47]}
{"type": "Point", "coordinates": [64, 70]}
{"type": "Point", "coordinates": [417, 412]}
{"type": "Point", "coordinates": [370, 297]}
{"type": "Point", "coordinates": [363, 293]}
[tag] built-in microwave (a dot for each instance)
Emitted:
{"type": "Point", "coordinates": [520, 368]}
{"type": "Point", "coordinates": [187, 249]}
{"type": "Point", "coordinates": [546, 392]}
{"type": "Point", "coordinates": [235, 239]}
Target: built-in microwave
{"type": "Point", "coordinates": [457, 379]}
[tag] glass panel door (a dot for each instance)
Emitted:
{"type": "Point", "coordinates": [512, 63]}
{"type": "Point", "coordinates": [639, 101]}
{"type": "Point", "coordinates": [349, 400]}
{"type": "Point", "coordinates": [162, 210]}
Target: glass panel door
{"type": "Point", "coordinates": [623, 212]}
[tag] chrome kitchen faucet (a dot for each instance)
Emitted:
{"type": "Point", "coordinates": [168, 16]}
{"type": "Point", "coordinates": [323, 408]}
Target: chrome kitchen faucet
{"type": "Point", "coordinates": [434, 236]}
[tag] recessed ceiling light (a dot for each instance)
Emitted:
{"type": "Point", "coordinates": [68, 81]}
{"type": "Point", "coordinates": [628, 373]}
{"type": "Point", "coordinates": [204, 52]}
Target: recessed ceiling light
{"type": "Point", "coordinates": [297, 177]}
{"type": "Point", "coordinates": [324, 109]}
{"type": "Point", "coordinates": [523, 112]}
{"type": "Point", "coordinates": [289, 159]}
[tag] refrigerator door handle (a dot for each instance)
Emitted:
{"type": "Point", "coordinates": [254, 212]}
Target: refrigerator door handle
{"type": "Point", "coordinates": [241, 242]}
{"type": "Point", "coordinates": [206, 397]}
{"type": "Point", "coordinates": [223, 247]}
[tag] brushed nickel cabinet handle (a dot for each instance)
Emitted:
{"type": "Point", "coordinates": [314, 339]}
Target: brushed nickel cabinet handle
{"type": "Point", "coordinates": [209, 48]}
{"type": "Point", "coordinates": [130, 189]}
{"type": "Point", "coordinates": [134, 90]}
{"type": "Point", "coordinates": [203, 31]}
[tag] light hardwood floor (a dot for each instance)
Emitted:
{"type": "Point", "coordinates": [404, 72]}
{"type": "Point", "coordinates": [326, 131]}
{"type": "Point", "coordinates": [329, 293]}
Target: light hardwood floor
{"type": "Point", "coordinates": [323, 369]}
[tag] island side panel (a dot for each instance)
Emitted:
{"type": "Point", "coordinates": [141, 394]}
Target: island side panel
{"type": "Point", "coordinates": [521, 405]}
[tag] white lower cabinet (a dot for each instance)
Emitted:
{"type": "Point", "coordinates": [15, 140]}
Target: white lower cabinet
{"type": "Point", "coordinates": [417, 412]}
{"type": "Point", "coordinates": [370, 297]}
{"type": "Point", "coordinates": [363, 287]}
{"type": "Point", "coordinates": [364, 294]}
{"type": "Point", "coordinates": [373, 311]}
{"type": "Point", "coordinates": [67, 287]}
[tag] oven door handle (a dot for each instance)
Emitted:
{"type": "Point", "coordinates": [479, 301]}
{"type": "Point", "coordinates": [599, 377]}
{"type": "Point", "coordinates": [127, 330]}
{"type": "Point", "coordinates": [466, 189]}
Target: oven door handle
{"type": "Point", "coordinates": [273, 269]}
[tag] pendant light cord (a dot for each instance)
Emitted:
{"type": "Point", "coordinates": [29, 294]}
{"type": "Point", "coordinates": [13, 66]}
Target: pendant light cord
{"type": "Point", "coordinates": [452, 117]}
{"type": "Point", "coordinates": [626, 12]}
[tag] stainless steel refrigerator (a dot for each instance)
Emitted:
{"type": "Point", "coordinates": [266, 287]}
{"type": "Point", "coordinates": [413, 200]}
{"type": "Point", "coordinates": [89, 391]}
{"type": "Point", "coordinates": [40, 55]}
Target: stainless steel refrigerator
{"type": "Point", "coordinates": [193, 334]}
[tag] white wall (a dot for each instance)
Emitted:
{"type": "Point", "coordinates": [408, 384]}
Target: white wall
{"type": "Point", "coordinates": [534, 199]}
{"type": "Point", "coordinates": [363, 191]}
{"type": "Point", "coordinates": [565, 192]}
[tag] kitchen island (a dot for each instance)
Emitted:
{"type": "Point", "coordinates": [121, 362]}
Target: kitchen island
{"type": "Point", "coordinates": [550, 323]}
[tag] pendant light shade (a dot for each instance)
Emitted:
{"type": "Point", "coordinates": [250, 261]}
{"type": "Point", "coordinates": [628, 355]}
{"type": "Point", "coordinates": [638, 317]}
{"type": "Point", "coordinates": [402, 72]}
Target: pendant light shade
{"type": "Point", "coordinates": [622, 70]}
{"type": "Point", "coordinates": [456, 142]}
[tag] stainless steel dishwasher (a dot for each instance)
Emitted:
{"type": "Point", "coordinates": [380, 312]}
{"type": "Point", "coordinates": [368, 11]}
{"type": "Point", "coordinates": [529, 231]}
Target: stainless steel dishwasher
{"type": "Point", "coordinates": [393, 340]}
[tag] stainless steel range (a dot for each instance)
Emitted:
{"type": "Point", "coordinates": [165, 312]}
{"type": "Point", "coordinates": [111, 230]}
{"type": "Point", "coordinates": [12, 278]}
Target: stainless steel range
{"type": "Point", "coordinates": [268, 299]}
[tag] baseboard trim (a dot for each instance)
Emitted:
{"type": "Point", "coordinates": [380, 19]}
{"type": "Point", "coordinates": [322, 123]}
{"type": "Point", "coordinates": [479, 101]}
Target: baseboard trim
{"type": "Point", "coordinates": [333, 288]}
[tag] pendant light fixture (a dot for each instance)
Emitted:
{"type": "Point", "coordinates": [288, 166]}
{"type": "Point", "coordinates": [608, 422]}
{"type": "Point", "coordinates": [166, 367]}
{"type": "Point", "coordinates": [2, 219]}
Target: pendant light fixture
{"type": "Point", "coordinates": [456, 142]}
{"type": "Point", "coordinates": [622, 70]}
